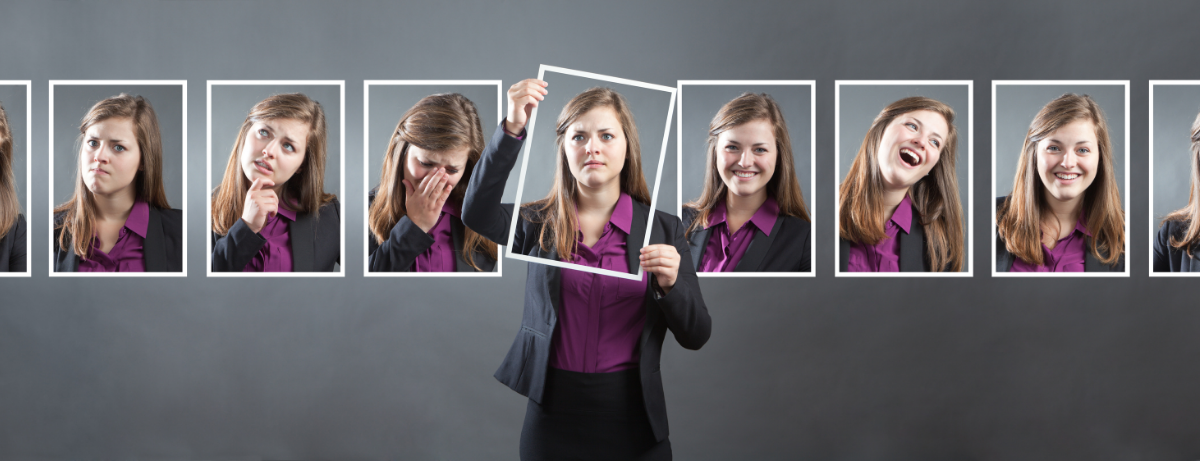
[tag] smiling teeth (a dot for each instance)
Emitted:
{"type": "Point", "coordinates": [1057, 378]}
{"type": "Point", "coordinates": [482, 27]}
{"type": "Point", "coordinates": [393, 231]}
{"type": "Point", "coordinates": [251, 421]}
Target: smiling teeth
{"type": "Point", "coordinates": [909, 157]}
{"type": "Point", "coordinates": [1066, 176]}
{"type": "Point", "coordinates": [744, 174]}
{"type": "Point", "coordinates": [262, 164]}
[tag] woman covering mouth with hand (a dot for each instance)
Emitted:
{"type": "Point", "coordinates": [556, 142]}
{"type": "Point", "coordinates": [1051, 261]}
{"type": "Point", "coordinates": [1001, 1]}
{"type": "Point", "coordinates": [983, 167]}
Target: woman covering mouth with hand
{"type": "Point", "coordinates": [1064, 214]}
{"type": "Point", "coordinates": [587, 353]}
{"type": "Point", "coordinates": [899, 206]}
{"type": "Point", "coordinates": [271, 212]}
{"type": "Point", "coordinates": [751, 215]}
{"type": "Point", "coordinates": [119, 201]}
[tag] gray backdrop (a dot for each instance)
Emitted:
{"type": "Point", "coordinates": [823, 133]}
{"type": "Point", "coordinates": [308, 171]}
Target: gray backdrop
{"type": "Point", "coordinates": [72, 102]}
{"type": "Point", "coordinates": [702, 102]}
{"type": "Point", "coordinates": [231, 104]}
{"type": "Point", "coordinates": [1175, 108]}
{"type": "Point", "coordinates": [1017, 105]}
{"type": "Point", "coordinates": [812, 369]}
{"type": "Point", "coordinates": [12, 98]}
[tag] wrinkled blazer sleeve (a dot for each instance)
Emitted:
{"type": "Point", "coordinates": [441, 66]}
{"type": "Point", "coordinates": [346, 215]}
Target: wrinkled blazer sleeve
{"type": "Point", "coordinates": [482, 210]}
{"type": "Point", "coordinates": [233, 251]}
{"type": "Point", "coordinates": [683, 307]}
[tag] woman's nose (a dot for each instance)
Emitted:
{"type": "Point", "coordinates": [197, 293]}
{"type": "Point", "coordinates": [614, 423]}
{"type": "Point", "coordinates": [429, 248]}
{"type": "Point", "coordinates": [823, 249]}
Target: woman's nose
{"type": "Point", "coordinates": [746, 159]}
{"type": "Point", "coordinates": [1069, 160]}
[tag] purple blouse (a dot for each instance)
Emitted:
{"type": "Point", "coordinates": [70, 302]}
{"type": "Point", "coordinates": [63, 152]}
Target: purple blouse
{"type": "Point", "coordinates": [1067, 256]}
{"type": "Point", "coordinates": [601, 317]}
{"type": "Point", "coordinates": [885, 255]}
{"type": "Point", "coordinates": [276, 254]}
{"type": "Point", "coordinates": [126, 254]}
{"type": "Point", "coordinates": [440, 256]}
{"type": "Point", "coordinates": [724, 251]}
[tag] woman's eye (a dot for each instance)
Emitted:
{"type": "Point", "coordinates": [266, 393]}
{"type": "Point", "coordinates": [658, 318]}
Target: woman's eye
{"type": "Point", "coordinates": [262, 132]}
{"type": "Point", "coordinates": [577, 138]}
{"type": "Point", "coordinates": [760, 150]}
{"type": "Point", "coordinates": [607, 137]}
{"type": "Point", "coordinates": [911, 125]}
{"type": "Point", "coordinates": [288, 147]}
{"type": "Point", "coordinates": [92, 143]}
{"type": "Point", "coordinates": [731, 148]}
{"type": "Point", "coordinates": [119, 148]}
{"type": "Point", "coordinates": [451, 171]}
{"type": "Point", "coordinates": [426, 165]}
{"type": "Point", "coordinates": [1083, 150]}
{"type": "Point", "coordinates": [936, 143]}
{"type": "Point", "coordinates": [1052, 149]}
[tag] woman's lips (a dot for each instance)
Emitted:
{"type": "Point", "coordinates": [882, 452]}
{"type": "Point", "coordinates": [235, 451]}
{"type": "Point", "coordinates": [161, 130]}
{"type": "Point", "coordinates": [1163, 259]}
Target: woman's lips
{"type": "Point", "coordinates": [593, 164]}
{"type": "Point", "coordinates": [745, 175]}
{"type": "Point", "coordinates": [1067, 178]}
{"type": "Point", "coordinates": [909, 158]}
{"type": "Point", "coordinates": [263, 167]}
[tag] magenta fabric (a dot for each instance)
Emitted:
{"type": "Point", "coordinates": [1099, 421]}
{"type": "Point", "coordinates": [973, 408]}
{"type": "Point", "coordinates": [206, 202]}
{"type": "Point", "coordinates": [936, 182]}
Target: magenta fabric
{"type": "Point", "coordinates": [601, 317]}
{"type": "Point", "coordinates": [1067, 256]}
{"type": "Point", "coordinates": [723, 251]}
{"type": "Point", "coordinates": [126, 255]}
{"type": "Point", "coordinates": [440, 256]}
{"type": "Point", "coordinates": [276, 254]}
{"type": "Point", "coordinates": [885, 255]}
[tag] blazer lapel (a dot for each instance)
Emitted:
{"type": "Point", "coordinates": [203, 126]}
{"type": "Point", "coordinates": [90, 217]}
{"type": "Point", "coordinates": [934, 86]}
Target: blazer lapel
{"type": "Point", "coordinates": [699, 243]}
{"type": "Point", "coordinates": [753, 258]}
{"type": "Point", "coordinates": [912, 246]}
{"type": "Point", "coordinates": [154, 253]}
{"type": "Point", "coordinates": [457, 231]}
{"type": "Point", "coordinates": [70, 262]}
{"type": "Point", "coordinates": [637, 235]}
{"type": "Point", "coordinates": [553, 276]}
{"type": "Point", "coordinates": [303, 244]}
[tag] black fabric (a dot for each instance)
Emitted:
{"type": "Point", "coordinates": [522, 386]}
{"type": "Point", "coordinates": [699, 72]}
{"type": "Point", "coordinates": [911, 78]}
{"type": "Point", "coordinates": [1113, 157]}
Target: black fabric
{"type": "Point", "coordinates": [1170, 259]}
{"type": "Point", "coordinates": [406, 241]}
{"type": "Point", "coordinates": [316, 242]}
{"type": "Point", "coordinates": [590, 416]}
{"type": "Point", "coordinates": [1005, 259]}
{"type": "Point", "coordinates": [162, 249]}
{"type": "Point", "coordinates": [914, 253]}
{"type": "Point", "coordinates": [12, 247]}
{"type": "Point", "coordinates": [682, 310]}
{"type": "Point", "coordinates": [786, 249]}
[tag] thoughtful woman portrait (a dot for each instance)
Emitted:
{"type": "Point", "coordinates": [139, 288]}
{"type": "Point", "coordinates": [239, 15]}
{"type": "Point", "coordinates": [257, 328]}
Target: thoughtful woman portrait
{"type": "Point", "coordinates": [117, 218]}
{"type": "Point", "coordinates": [12, 221]}
{"type": "Point", "coordinates": [587, 354]}
{"type": "Point", "coordinates": [751, 214]}
{"type": "Point", "coordinates": [1064, 213]}
{"type": "Point", "coordinates": [270, 212]}
{"type": "Point", "coordinates": [899, 208]}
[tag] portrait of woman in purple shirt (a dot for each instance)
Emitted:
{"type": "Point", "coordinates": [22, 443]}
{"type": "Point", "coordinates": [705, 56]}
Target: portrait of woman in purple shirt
{"type": "Point", "coordinates": [271, 212]}
{"type": "Point", "coordinates": [587, 353]}
{"type": "Point", "coordinates": [12, 222]}
{"type": "Point", "coordinates": [414, 222]}
{"type": "Point", "coordinates": [1065, 213]}
{"type": "Point", "coordinates": [899, 209]}
{"type": "Point", "coordinates": [750, 216]}
{"type": "Point", "coordinates": [119, 202]}
{"type": "Point", "coordinates": [1175, 245]}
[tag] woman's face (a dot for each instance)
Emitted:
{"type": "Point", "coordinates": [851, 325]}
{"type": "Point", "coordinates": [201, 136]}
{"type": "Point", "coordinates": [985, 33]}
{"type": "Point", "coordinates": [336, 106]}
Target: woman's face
{"type": "Point", "coordinates": [746, 156]}
{"type": "Point", "coordinates": [595, 148]}
{"type": "Point", "coordinates": [274, 149]}
{"type": "Point", "coordinates": [420, 163]}
{"type": "Point", "coordinates": [110, 156]}
{"type": "Point", "coordinates": [911, 146]}
{"type": "Point", "coordinates": [1067, 160]}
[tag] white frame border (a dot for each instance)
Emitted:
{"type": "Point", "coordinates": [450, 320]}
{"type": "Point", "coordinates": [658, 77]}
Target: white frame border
{"type": "Point", "coordinates": [28, 178]}
{"type": "Point", "coordinates": [1125, 199]}
{"type": "Point", "coordinates": [662, 155]}
{"type": "Point", "coordinates": [367, 169]}
{"type": "Point", "coordinates": [184, 190]}
{"type": "Point", "coordinates": [341, 84]}
{"type": "Point", "coordinates": [1150, 202]}
{"type": "Point", "coordinates": [837, 178]}
{"type": "Point", "coordinates": [812, 177]}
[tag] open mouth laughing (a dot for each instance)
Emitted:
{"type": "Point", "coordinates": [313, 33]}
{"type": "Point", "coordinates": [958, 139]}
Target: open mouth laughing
{"type": "Point", "coordinates": [910, 158]}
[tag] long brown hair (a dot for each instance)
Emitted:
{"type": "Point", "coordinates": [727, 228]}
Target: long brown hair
{"type": "Point", "coordinates": [9, 207]}
{"type": "Point", "coordinates": [435, 123]}
{"type": "Point", "coordinates": [304, 192]}
{"type": "Point", "coordinates": [557, 210]}
{"type": "Point", "coordinates": [1190, 214]}
{"type": "Point", "coordinates": [79, 222]}
{"type": "Point", "coordinates": [783, 185]}
{"type": "Point", "coordinates": [1019, 218]}
{"type": "Point", "coordinates": [935, 196]}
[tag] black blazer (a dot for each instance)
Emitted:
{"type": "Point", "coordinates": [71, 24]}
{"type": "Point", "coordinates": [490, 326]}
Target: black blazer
{"type": "Point", "coordinates": [785, 250]}
{"type": "Point", "coordinates": [12, 247]}
{"type": "Point", "coordinates": [316, 242]}
{"type": "Point", "coordinates": [1005, 260]}
{"type": "Point", "coordinates": [162, 249]}
{"type": "Point", "coordinates": [1168, 258]}
{"type": "Point", "coordinates": [914, 255]}
{"type": "Point", "coordinates": [406, 241]}
{"type": "Point", "coordinates": [682, 310]}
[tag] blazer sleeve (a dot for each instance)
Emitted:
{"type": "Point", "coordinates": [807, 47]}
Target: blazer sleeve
{"type": "Point", "coordinates": [1162, 248]}
{"type": "Point", "coordinates": [233, 251]}
{"type": "Point", "coordinates": [405, 242]}
{"type": "Point", "coordinates": [806, 254]}
{"type": "Point", "coordinates": [683, 307]}
{"type": "Point", "coordinates": [482, 210]}
{"type": "Point", "coordinates": [17, 256]}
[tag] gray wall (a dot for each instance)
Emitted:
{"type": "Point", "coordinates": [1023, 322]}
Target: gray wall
{"type": "Point", "coordinates": [825, 368]}
{"type": "Point", "coordinates": [12, 98]}
{"type": "Point", "coordinates": [701, 103]}
{"type": "Point", "coordinates": [1016, 105]}
{"type": "Point", "coordinates": [1175, 108]}
{"type": "Point", "coordinates": [72, 102]}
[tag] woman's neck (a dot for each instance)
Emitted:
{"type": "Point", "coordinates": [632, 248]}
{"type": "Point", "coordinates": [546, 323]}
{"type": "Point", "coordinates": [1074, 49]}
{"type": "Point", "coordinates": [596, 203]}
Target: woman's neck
{"type": "Point", "coordinates": [1063, 214]}
{"type": "Point", "coordinates": [740, 209]}
{"type": "Point", "coordinates": [600, 200]}
{"type": "Point", "coordinates": [891, 201]}
{"type": "Point", "coordinates": [115, 206]}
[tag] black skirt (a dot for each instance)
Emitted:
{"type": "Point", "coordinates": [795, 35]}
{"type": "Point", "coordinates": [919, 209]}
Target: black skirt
{"type": "Point", "coordinates": [590, 416]}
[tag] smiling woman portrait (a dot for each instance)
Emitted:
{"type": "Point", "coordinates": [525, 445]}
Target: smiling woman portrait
{"type": "Point", "coordinates": [271, 212]}
{"type": "Point", "coordinates": [1064, 213]}
{"type": "Point", "coordinates": [899, 209]}
{"type": "Point", "coordinates": [118, 202]}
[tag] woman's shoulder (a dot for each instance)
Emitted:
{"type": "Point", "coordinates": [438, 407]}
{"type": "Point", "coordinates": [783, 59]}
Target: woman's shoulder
{"type": "Point", "coordinates": [1174, 227]}
{"type": "Point", "coordinates": [689, 214]}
